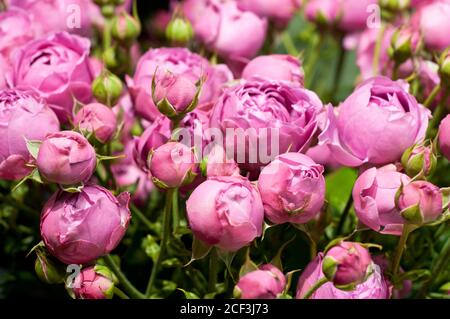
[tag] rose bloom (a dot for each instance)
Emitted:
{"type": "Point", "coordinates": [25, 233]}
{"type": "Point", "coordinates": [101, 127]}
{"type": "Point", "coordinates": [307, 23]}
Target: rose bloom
{"type": "Point", "coordinates": [79, 227]}
{"type": "Point", "coordinates": [58, 67]}
{"type": "Point", "coordinates": [23, 116]}
{"type": "Point", "coordinates": [275, 67]}
{"type": "Point", "coordinates": [97, 119]}
{"type": "Point", "coordinates": [375, 124]}
{"type": "Point", "coordinates": [374, 199]}
{"type": "Point", "coordinates": [176, 61]}
{"type": "Point", "coordinates": [265, 283]}
{"type": "Point", "coordinates": [375, 286]}
{"type": "Point", "coordinates": [444, 137]}
{"type": "Point", "coordinates": [89, 284]}
{"type": "Point", "coordinates": [281, 12]}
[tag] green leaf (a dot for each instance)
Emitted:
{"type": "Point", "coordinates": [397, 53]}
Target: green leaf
{"type": "Point", "coordinates": [72, 188]}
{"type": "Point", "coordinates": [188, 295]}
{"type": "Point", "coordinates": [276, 261]}
{"type": "Point", "coordinates": [151, 248]}
{"type": "Point", "coordinates": [33, 147]}
{"type": "Point", "coordinates": [248, 265]}
{"type": "Point", "coordinates": [199, 250]}
{"type": "Point", "coordinates": [415, 276]}
{"type": "Point", "coordinates": [339, 186]}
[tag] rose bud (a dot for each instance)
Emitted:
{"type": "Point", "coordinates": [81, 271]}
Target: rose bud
{"type": "Point", "coordinates": [47, 269]}
{"type": "Point", "coordinates": [107, 88]}
{"type": "Point", "coordinates": [323, 12]}
{"type": "Point", "coordinates": [66, 158]}
{"type": "Point", "coordinates": [394, 5]}
{"type": "Point", "coordinates": [125, 28]}
{"type": "Point", "coordinates": [419, 159]}
{"type": "Point", "coordinates": [375, 286]}
{"type": "Point", "coordinates": [292, 189]}
{"type": "Point", "coordinates": [172, 165]}
{"type": "Point", "coordinates": [226, 212]}
{"type": "Point", "coordinates": [444, 137]}
{"type": "Point", "coordinates": [404, 44]}
{"type": "Point", "coordinates": [275, 67]}
{"type": "Point", "coordinates": [23, 116]}
{"type": "Point", "coordinates": [420, 202]}
{"type": "Point", "coordinates": [374, 196]}
{"type": "Point", "coordinates": [179, 30]}
{"type": "Point", "coordinates": [57, 66]}
{"type": "Point", "coordinates": [174, 95]}
{"type": "Point", "coordinates": [77, 228]}
{"type": "Point", "coordinates": [97, 119]}
{"type": "Point", "coordinates": [265, 283]}
{"type": "Point", "coordinates": [217, 163]}
{"type": "Point", "coordinates": [95, 282]}
{"type": "Point", "coordinates": [354, 14]}
{"type": "Point", "coordinates": [346, 265]}
{"type": "Point", "coordinates": [363, 130]}
{"type": "Point", "coordinates": [280, 12]}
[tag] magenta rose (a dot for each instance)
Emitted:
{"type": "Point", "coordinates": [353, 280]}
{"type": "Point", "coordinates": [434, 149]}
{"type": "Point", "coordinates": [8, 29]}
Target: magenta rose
{"type": "Point", "coordinates": [23, 116]}
{"type": "Point", "coordinates": [375, 124]}
{"type": "Point", "coordinates": [259, 108]}
{"type": "Point", "coordinates": [95, 282]}
{"type": "Point", "coordinates": [226, 29]}
{"type": "Point", "coordinates": [178, 61]}
{"type": "Point", "coordinates": [66, 158]}
{"type": "Point", "coordinates": [226, 212]}
{"type": "Point", "coordinates": [79, 227]}
{"type": "Point", "coordinates": [444, 137]}
{"type": "Point", "coordinates": [280, 12]}
{"type": "Point", "coordinates": [374, 287]}
{"type": "Point", "coordinates": [4, 69]}
{"type": "Point", "coordinates": [265, 283]}
{"type": "Point", "coordinates": [275, 67]}
{"type": "Point", "coordinates": [97, 119]}
{"type": "Point", "coordinates": [374, 195]}
{"type": "Point", "coordinates": [58, 67]}
{"type": "Point", "coordinates": [217, 163]}
{"type": "Point", "coordinates": [292, 189]}
{"type": "Point", "coordinates": [354, 14]}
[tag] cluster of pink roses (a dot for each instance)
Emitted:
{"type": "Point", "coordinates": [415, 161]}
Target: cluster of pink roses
{"type": "Point", "coordinates": [62, 114]}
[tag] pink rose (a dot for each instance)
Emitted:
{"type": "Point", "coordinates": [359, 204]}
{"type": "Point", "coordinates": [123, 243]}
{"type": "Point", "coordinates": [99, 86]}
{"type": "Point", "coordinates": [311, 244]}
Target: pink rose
{"type": "Point", "coordinates": [375, 286]}
{"type": "Point", "coordinates": [58, 67]}
{"type": "Point", "coordinates": [218, 163]}
{"type": "Point", "coordinates": [375, 124]}
{"type": "Point", "coordinates": [374, 199]}
{"type": "Point", "coordinates": [23, 116]}
{"type": "Point", "coordinates": [178, 61]}
{"type": "Point", "coordinates": [281, 12]}
{"type": "Point", "coordinates": [226, 212]}
{"type": "Point", "coordinates": [97, 119]}
{"type": "Point", "coordinates": [323, 11]}
{"type": "Point", "coordinates": [66, 158]}
{"type": "Point", "coordinates": [275, 67]}
{"type": "Point", "coordinates": [354, 14]}
{"type": "Point", "coordinates": [292, 188]}
{"type": "Point", "coordinates": [444, 137]}
{"type": "Point", "coordinates": [16, 29]}
{"type": "Point", "coordinates": [265, 283]}
{"type": "Point", "coordinates": [92, 284]}
{"type": "Point", "coordinates": [79, 227]}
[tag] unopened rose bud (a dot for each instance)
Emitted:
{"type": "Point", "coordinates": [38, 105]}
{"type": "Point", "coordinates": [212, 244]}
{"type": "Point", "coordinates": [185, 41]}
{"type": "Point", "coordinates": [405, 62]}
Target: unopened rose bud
{"type": "Point", "coordinates": [420, 202]}
{"type": "Point", "coordinates": [125, 27]}
{"type": "Point", "coordinates": [265, 283]}
{"type": "Point", "coordinates": [108, 10]}
{"type": "Point", "coordinates": [346, 265]}
{"type": "Point", "coordinates": [172, 165]}
{"type": "Point", "coordinates": [419, 159]}
{"type": "Point", "coordinates": [404, 44]}
{"type": "Point", "coordinates": [107, 88]}
{"type": "Point", "coordinates": [94, 283]}
{"type": "Point", "coordinates": [322, 12]}
{"type": "Point", "coordinates": [48, 270]}
{"type": "Point", "coordinates": [394, 5]}
{"type": "Point", "coordinates": [179, 30]}
{"type": "Point", "coordinates": [174, 94]}
{"type": "Point", "coordinates": [97, 119]}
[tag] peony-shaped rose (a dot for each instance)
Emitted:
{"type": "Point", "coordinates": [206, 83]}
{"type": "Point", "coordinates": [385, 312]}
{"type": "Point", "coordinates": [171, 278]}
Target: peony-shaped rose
{"type": "Point", "coordinates": [218, 163]}
{"type": "Point", "coordinates": [265, 283]}
{"type": "Point", "coordinates": [23, 116]}
{"type": "Point", "coordinates": [66, 158]}
{"type": "Point", "coordinates": [79, 227]}
{"type": "Point", "coordinates": [95, 282]}
{"type": "Point", "coordinates": [228, 30]}
{"type": "Point", "coordinates": [178, 61]}
{"type": "Point", "coordinates": [58, 67]}
{"type": "Point", "coordinates": [226, 212]}
{"type": "Point", "coordinates": [97, 119]}
{"type": "Point", "coordinates": [374, 195]}
{"type": "Point", "coordinates": [375, 286]}
{"type": "Point", "coordinates": [375, 124]}
{"type": "Point", "coordinates": [280, 12]}
{"type": "Point", "coordinates": [444, 137]}
{"type": "Point", "coordinates": [292, 189]}
{"type": "Point", "coordinates": [275, 67]}
{"type": "Point", "coordinates": [264, 114]}
{"type": "Point", "coordinates": [355, 14]}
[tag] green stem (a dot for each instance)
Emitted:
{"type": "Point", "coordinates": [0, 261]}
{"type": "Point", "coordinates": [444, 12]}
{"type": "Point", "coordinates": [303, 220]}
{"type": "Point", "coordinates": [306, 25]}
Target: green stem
{"type": "Point", "coordinates": [344, 215]}
{"type": "Point", "coordinates": [430, 99]}
{"type": "Point", "coordinates": [395, 71]}
{"type": "Point", "coordinates": [289, 45]}
{"type": "Point", "coordinates": [164, 240]}
{"type": "Point", "coordinates": [438, 114]}
{"type": "Point", "coordinates": [107, 34]}
{"type": "Point", "coordinates": [175, 212]}
{"type": "Point", "coordinates": [377, 51]}
{"type": "Point", "coordinates": [322, 281]}
{"type": "Point", "coordinates": [213, 269]}
{"type": "Point", "coordinates": [142, 218]}
{"type": "Point", "coordinates": [339, 66]}
{"type": "Point", "coordinates": [399, 251]}
{"type": "Point", "coordinates": [127, 285]}
{"type": "Point", "coordinates": [120, 293]}
{"type": "Point", "coordinates": [312, 60]}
